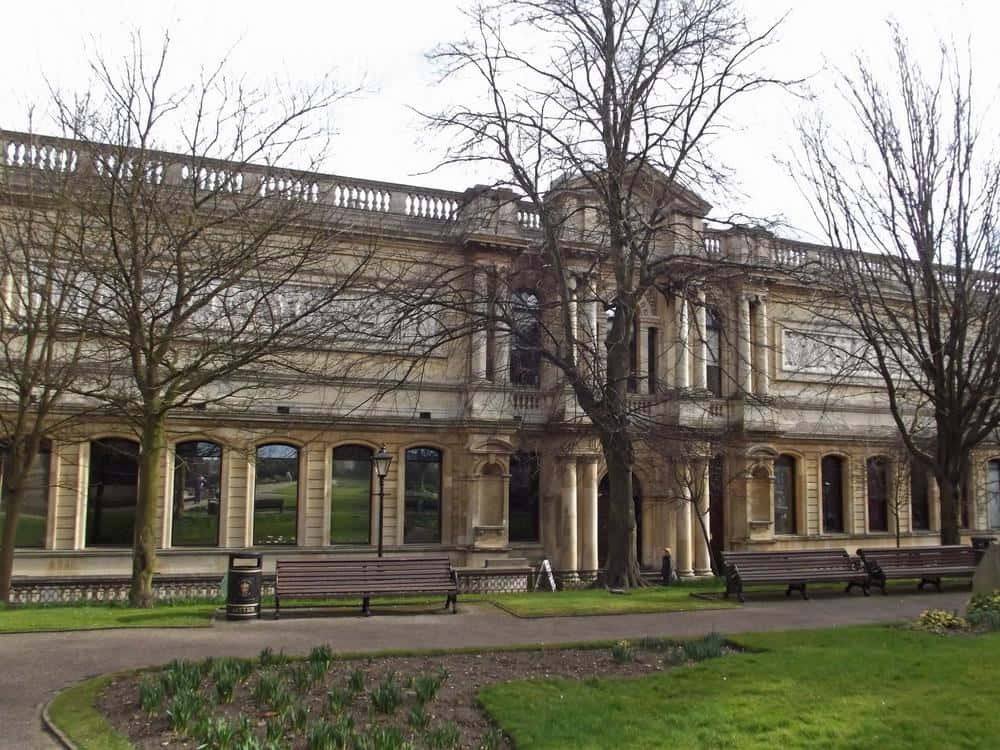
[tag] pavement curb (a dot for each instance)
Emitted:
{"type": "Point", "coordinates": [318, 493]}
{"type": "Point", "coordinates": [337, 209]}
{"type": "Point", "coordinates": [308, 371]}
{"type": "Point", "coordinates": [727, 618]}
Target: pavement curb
{"type": "Point", "coordinates": [53, 730]}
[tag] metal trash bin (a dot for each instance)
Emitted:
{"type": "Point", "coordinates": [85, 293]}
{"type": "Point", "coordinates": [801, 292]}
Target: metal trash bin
{"type": "Point", "coordinates": [243, 589]}
{"type": "Point", "coordinates": [979, 545]}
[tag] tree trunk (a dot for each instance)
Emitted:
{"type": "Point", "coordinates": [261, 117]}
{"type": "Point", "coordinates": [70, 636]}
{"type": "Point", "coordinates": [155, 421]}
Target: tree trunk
{"type": "Point", "coordinates": [12, 508]}
{"type": "Point", "coordinates": [713, 563]}
{"type": "Point", "coordinates": [151, 455]}
{"type": "Point", "coordinates": [950, 492]}
{"type": "Point", "coordinates": [621, 569]}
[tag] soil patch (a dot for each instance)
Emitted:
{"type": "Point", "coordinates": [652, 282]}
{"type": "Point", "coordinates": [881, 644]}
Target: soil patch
{"type": "Point", "coordinates": [455, 700]}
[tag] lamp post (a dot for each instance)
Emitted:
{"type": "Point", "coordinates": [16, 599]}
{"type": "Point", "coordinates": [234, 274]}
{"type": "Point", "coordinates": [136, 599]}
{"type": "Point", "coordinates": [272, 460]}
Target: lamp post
{"type": "Point", "coordinates": [382, 459]}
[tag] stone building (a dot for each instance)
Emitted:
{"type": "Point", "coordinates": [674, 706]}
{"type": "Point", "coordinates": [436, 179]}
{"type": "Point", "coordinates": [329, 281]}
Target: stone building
{"type": "Point", "coordinates": [491, 457]}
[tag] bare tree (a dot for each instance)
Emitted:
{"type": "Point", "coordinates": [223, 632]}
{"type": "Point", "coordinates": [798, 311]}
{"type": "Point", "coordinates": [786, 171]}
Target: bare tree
{"type": "Point", "coordinates": [42, 345]}
{"type": "Point", "coordinates": [218, 277]}
{"type": "Point", "coordinates": [599, 113]}
{"type": "Point", "coordinates": [912, 198]}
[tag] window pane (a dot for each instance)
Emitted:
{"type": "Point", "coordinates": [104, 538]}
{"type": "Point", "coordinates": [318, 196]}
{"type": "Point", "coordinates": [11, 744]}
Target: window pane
{"type": "Point", "coordinates": [920, 508]}
{"type": "Point", "coordinates": [111, 494]}
{"type": "Point", "coordinates": [34, 504]}
{"type": "Point", "coordinates": [523, 498]}
{"type": "Point", "coordinates": [526, 338]}
{"type": "Point", "coordinates": [197, 474]}
{"type": "Point", "coordinates": [351, 495]}
{"type": "Point", "coordinates": [422, 522]}
{"type": "Point", "coordinates": [276, 494]}
{"type": "Point", "coordinates": [878, 517]}
{"type": "Point", "coordinates": [993, 493]}
{"type": "Point", "coordinates": [784, 495]}
{"type": "Point", "coordinates": [833, 497]}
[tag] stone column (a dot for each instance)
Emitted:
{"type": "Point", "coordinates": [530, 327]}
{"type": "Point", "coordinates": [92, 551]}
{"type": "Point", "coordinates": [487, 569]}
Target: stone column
{"type": "Point", "coordinates": [573, 315]}
{"type": "Point", "coordinates": [683, 552]}
{"type": "Point", "coordinates": [683, 357]}
{"type": "Point", "coordinates": [642, 358]}
{"type": "Point", "coordinates": [568, 527]}
{"type": "Point", "coordinates": [586, 326]}
{"type": "Point", "coordinates": [746, 360]}
{"type": "Point", "coordinates": [587, 512]}
{"type": "Point", "coordinates": [933, 503]}
{"type": "Point", "coordinates": [479, 330]}
{"type": "Point", "coordinates": [700, 355]}
{"type": "Point", "coordinates": [702, 559]}
{"type": "Point", "coordinates": [501, 347]}
{"type": "Point", "coordinates": [763, 375]}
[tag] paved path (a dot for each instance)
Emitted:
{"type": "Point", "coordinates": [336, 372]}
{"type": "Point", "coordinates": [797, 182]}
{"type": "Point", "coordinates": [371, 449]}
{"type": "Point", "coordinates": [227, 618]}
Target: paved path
{"type": "Point", "coordinates": [36, 666]}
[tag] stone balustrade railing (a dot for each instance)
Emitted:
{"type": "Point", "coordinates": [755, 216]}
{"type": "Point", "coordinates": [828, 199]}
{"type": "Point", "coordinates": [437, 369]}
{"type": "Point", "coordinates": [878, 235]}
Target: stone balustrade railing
{"type": "Point", "coordinates": [71, 157]}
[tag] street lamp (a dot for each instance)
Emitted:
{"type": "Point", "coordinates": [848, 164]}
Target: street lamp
{"type": "Point", "coordinates": [382, 459]}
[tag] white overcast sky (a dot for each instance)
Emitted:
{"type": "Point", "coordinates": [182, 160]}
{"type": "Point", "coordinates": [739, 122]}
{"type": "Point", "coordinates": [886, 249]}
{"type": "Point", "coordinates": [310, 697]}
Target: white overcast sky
{"type": "Point", "coordinates": [385, 42]}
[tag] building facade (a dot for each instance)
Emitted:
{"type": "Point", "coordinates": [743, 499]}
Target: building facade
{"type": "Point", "coordinates": [492, 457]}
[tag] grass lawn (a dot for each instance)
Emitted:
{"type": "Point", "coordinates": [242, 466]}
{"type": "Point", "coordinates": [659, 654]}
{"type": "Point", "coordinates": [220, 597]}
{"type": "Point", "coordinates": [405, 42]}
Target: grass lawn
{"type": "Point", "coordinates": [99, 616]}
{"type": "Point", "coordinates": [600, 602]}
{"type": "Point", "coordinates": [73, 710]}
{"type": "Point", "coordinates": [859, 687]}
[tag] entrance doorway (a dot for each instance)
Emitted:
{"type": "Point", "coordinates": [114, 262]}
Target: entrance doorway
{"type": "Point", "coordinates": [602, 519]}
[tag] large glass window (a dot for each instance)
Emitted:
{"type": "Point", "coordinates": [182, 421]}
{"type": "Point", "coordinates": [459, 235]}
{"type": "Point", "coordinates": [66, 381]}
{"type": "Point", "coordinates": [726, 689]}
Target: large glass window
{"type": "Point", "coordinates": [197, 476]}
{"type": "Point", "coordinates": [832, 470]}
{"type": "Point", "coordinates": [422, 521]}
{"type": "Point", "coordinates": [784, 495]}
{"type": "Point", "coordinates": [993, 493]}
{"type": "Point", "coordinates": [34, 503]}
{"type": "Point", "coordinates": [112, 492]}
{"type": "Point", "coordinates": [920, 516]}
{"type": "Point", "coordinates": [713, 352]}
{"type": "Point", "coordinates": [276, 494]}
{"type": "Point", "coordinates": [878, 493]}
{"type": "Point", "coordinates": [351, 495]}
{"type": "Point", "coordinates": [526, 338]}
{"type": "Point", "coordinates": [523, 502]}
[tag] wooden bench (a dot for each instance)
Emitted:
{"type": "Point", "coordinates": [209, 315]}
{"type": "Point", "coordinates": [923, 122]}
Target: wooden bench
{"type": "Point", "coordinates": [387, 576]}
{"type": "Point", "coordinates": [795, 568]}
{"type": "Point", "coordinates": [929, 564]}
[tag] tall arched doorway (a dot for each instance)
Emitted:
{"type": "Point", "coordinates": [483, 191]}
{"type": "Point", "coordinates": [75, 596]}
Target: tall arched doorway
{"type": "Point", "coordinates": [602, 518]}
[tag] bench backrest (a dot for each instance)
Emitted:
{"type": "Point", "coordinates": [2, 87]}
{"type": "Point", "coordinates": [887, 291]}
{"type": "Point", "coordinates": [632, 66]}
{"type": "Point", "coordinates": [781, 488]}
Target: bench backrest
{"type": "Point", "coordinates": [825, 559]}
{"type": "Point", "coordinates": [347, 575]}
{"type": "Point", "coordinates": [916, 557]}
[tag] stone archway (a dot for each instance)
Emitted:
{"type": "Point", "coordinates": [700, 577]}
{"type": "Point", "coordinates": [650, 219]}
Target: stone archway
{"type": "Point", "coordinates": [602, 518]}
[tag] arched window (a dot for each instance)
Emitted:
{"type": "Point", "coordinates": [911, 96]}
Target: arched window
{"type": "Point", "coordinates": [784, 495]}
{"type": "Point", "coordinates": [993, 493]}
{"type": "Point", "coordinates": [34, 513]}
{"type": "Point", "coordinates": [526, 338]}
{"type": "Point", "coordinates": [832, 470]}
{"type": "Point", "coordinates": [523, 502]}
{"type": "Point", "coordinates": [276, 494]}
{"type": "Point", "coordinates": [422, 513]}
{"type": "Point", "coordinates": [920, 516]}
{"type": "Point", "coordinates": [112, 492]}
{"type": "Point", "coordinates": [197, 477]}
{"type": "Point", "coordinates": [351, 495]}
{"type": "Point", "coordinates": [877, 472]}
{"type": "Point", "coordinates": [713, 352]}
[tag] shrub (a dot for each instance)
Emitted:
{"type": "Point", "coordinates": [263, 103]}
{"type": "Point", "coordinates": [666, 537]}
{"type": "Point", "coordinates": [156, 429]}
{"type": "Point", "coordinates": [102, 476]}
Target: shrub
{"type": "Point", "coordinates": [181, 675]}
{"type": "Point", "coordinates": [984, 611]}
{"type": "Point", "coordinates": [356, 681]}
{"type": "Point", "coordinates": [387, 695]}
{"type": "Point", "coordinates": [442, 737]}
{"type": "Point", "coordinates": [225, 688]}
{"type": "Point", "coordinates": [657, 644]}
{"type": "Point", "coordinates": [709, 647]}
{"type": "Point", "coordinates": [321, 655]}
{"type": "Point", "coordinates": [336, 700]}
{"type": "Point", "coordinates": [267, 685]}
{"type": "Point", "coordinates": [302, 678]}
{"type": "Point", "coordinates": [184, 709]}
{"type": "Point", "coordinates": [331, 735]}
{"type": "Point", "coordinates": [268, 658]}
{"type": "Point", "coordinates": [492, 740]}
{"type": "Point", "coordinates": [151, 694]}
{"type": "Point", "coordinates": [296, 717]}
{"type": "Point", "coordinates": [425, 687]}
{"type": "Point", "coordinates": [418, 718]}
{"type": "Point", "coordinates": [215, 732]}
{"type": "Point", "coordinates": [382, 738]}
{"type": "Point", "coordinates": [940, 621]}
{"type": "Point", "coordinates": [274, 731]}
{"type": "Point", "coordinates": [622, 652]}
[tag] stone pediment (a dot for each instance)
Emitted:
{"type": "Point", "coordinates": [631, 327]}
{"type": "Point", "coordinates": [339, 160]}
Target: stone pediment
{"type": "Point", "coordinates": [490, 444]}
